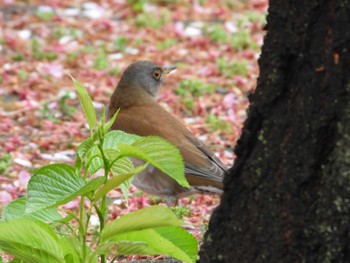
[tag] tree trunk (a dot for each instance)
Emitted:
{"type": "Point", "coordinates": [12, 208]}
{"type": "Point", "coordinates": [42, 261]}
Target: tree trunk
{"type": "Point", "coordinates": [287, 198]}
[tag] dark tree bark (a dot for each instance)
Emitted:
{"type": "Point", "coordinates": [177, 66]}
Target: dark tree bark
{"type": "Point", "coordinates": [287, 198]}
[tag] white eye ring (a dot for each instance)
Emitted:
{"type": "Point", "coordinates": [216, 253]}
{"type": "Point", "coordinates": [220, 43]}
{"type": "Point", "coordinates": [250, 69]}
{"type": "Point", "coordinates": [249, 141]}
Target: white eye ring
{"type": "Point", "coordinates": [156, 74]}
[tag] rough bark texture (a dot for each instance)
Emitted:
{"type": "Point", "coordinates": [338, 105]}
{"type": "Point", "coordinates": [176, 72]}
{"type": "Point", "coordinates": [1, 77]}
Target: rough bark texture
{"type": "Point", "coordinates": [287, 198]}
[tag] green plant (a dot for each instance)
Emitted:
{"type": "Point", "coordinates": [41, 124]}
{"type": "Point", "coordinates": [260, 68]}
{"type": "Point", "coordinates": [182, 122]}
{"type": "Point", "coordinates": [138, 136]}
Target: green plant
{"type": "Point", "coordinates": [137, 5]}
{"type": "Point", "coordinates": [215, 124]}
{"type": "Point", "coordinates": [5, 162]}
{"type": "Point", "coordinates": [137, 42]}
{"type": "Point", "coordinates": [63, 105]}
{"type": "Point", "coordinates": [181, 211]}
{"type": "Point", "coordinates": [166, 43]}
{"type": "Point", "coordinates": [23, 74]}
{"type": "Point", "coordinates": [255, 16]}
{"type": "Point", "coordinates": [17, 57]}
{"type": "Point", "coordinates": [31, 229]}
{"type": "Point", "coordinates": [72, 57]}
{"type": "Point", "coordinates": [120, 43]}
{"type": "Point", "coordinates": [61, 31]}
{"type": "Point", "coordinates": [87, 49]}
{"type": "Point", "coordinates": [39, 54]}
{"type": "Point", "coordinates": [46, 112]}
{"type": "Point", "coordinates": [188, 102]}
{"type": "Point", "coordinates": [45, 15]}
{"type": "Point", "coordinates": [197, 88]}
{"type": "Point", "coordinates": [101, 62]}
{"type": "Point", "coordinates": [191, 89]}
{"type": "Point", "coordinates": [35, 45]}
{"type": "Point", "coordinates": [217, 34]}
{"type": "Point", "coordinates": [234, 5]}
{"type": "Point", "coordinates": [148, 19]}
{"type": "Point", "coordinates": [242, 40]}
{"type": "Point", "coordinates": [115, 71]}
{"type": "Point", "coordinates": [233, 67]}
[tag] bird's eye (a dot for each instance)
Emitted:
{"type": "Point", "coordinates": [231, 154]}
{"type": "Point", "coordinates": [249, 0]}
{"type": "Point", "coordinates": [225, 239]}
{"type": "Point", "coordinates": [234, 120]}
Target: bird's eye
{"type": "Point", "coordinates": [156, 74]}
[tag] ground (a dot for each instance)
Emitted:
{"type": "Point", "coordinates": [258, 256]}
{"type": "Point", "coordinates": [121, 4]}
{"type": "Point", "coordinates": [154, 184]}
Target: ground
{"type": "Point", "coordinates": [215, 45]}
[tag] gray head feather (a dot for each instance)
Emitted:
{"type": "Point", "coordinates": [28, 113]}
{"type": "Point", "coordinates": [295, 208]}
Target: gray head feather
{"type": "Point", "coordinates": [140, 73]}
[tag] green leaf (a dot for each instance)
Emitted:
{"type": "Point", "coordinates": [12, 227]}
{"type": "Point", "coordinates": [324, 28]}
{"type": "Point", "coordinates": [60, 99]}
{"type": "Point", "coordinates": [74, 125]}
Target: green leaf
{"type": "Point", "coordinates": [82, 151]}
{"type": "Point", "coordinates": [168, 240]}
{"type": "Point", "coordinates": [71, 249]}
{"type": "Point", "coordinates": [117, 180]}
{"type": "Point", "coordinates": [66, 220]}
{"type": "Point", "coordinates": [160, 153]}
{"type": "Point", "coordinates": [84, 147]}
{"type": "Point", "coordinates": [16, 209]}
{"type": "Point", "coordinates": [103, 116]}
{"type": "Point", "coordinates": [123, 166]}
{"type": "Point", "coordinates": [125, 248]}
{"type": "Point", "coordinates": [94, 160]}
{"type": "Point", "coordinates": [115, 137]}
{"type": "Point", "coordinates": [30, 241]}
{"type": "Point", "coordinates": [156, 230]}
{"type": "Point", "coordinates": [91, 185]}
{"type": "Point", "coordinates": [99, 132]}
{"type": "Point", "coordinates": [125, 189]}
{"type": "Point", "coordinates": [86, 104]}
{"type": "Point", "coordinates": [53, 185]}
{"type": "Point", "coordinates": [109, 124]}
{"type": "Point", "coordinates": [119, 167]}
{"type": "Point", "coordinates": [149, 217]}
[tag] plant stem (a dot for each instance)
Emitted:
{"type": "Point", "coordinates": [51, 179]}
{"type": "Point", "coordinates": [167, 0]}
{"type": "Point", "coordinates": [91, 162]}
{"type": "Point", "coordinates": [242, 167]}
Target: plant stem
{"type": "Point", "coordinates": [102, 212]}
{"type": "Point", "coordinates": [100, 217]}
{"type": "Point", "coordinates": [82, 229]}
{"type": "Point", "coordinates": [102, 224]}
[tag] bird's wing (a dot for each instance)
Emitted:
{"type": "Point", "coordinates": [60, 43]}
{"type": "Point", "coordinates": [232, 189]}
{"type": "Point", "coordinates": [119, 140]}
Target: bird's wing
{"type": "Point", "coordinates": [201, 165]}
{"type": "Point", "coordinates": [217, 168]}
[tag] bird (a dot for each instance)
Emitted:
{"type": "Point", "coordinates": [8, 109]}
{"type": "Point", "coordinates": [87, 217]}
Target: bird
{"type": "Point", "coordinates": [140, 114]}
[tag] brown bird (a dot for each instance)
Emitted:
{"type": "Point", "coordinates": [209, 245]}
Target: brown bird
{"type": "Point", "coordinates": [140, 114]}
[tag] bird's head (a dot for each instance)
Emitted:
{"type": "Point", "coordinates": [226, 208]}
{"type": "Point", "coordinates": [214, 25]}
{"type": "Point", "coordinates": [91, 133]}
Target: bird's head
{"type": "Point", "coordinates": [145, 74]}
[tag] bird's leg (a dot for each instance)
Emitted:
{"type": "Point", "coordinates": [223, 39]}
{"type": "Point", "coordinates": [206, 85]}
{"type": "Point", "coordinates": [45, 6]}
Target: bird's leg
{"type": "Point", "coordinates": [171, 201]}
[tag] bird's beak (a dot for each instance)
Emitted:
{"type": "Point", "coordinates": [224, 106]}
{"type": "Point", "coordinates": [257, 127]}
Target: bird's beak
{"type": "Point", "coordinates": [167, 69]}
